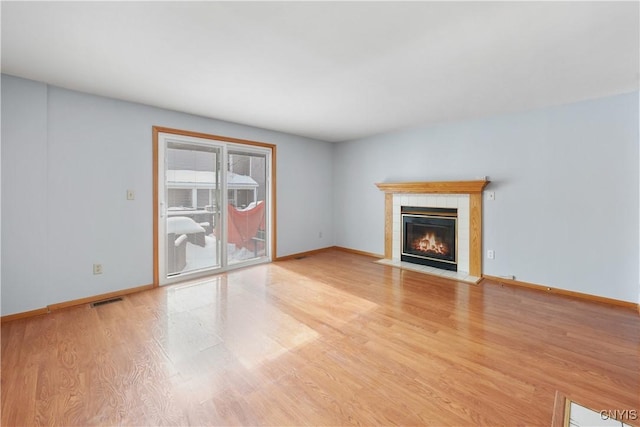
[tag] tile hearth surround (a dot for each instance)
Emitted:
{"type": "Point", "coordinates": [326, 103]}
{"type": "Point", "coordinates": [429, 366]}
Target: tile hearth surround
{"type": "Point", "coordinates": [458, 201]}
{"type": "Point", "coordinates": [466, 196]}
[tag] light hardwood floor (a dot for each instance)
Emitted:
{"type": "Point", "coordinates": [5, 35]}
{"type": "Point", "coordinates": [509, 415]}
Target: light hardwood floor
{"type": "Point", "coordinates": [331, 339]}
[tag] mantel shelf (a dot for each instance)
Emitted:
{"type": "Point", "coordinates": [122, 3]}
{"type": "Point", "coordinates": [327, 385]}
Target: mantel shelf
{"type": "Point", "coordinates": [435, 187]}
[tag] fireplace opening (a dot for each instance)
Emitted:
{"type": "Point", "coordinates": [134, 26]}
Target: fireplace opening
{"type": "Point", "coordinates": [429, 236]}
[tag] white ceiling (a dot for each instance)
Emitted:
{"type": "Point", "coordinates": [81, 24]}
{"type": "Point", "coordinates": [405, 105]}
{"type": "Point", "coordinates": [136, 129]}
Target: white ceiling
{"type": "Point", "coordinates": [329, 70]}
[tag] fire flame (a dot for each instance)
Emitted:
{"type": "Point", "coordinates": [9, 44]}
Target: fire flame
{"type": "Point", "coordinates": [430, 243]}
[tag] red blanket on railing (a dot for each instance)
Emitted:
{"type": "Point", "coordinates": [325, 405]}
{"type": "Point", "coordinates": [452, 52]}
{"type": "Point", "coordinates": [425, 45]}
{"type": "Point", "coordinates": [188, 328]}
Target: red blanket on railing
{"type": "Point", "coordinates": [244, 225]}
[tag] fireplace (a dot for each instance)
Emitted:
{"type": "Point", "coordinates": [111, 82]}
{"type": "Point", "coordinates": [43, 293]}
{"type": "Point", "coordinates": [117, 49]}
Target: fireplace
{"type": "Point", "coordinates": [466, 196]}
{"type": "Point", "coordinates": [429, 236]}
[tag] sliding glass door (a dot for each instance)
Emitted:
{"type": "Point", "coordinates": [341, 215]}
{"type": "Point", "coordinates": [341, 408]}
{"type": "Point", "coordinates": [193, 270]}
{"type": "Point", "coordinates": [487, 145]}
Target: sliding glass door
{"type": "Point", "coordinates": [213, 205]}
{"type": "Point", "coordinates": [246, 204]}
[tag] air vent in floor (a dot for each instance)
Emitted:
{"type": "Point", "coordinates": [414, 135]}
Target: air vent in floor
{"type": "Point", "coordinates": [106, 301]}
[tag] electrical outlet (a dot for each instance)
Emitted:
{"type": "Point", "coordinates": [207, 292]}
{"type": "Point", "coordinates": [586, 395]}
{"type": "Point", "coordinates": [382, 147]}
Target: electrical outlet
{"type": "Point", "coordinates": [491, 254]}
{"type": "Point", "coordinates": [97, 268]}
{"type": "Point", "coordinates": [491, 195]}
{"type": "Point", "coordinates": [131, 195]}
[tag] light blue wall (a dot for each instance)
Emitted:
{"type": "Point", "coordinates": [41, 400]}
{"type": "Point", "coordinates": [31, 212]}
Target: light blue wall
{"type": "Point", "coordinates": [68, 159]}
{"type": "Point", "coordinates": [566, 184]}
{"type": "Point", "coordinates": [24, 203]}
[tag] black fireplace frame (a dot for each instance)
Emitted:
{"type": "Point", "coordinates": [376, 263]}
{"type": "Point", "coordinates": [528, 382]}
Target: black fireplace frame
{"type": "Point", "coordinates": [432, 217]}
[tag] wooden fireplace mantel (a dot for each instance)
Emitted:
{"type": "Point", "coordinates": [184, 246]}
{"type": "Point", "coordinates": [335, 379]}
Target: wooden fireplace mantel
{"type": "Point", "coordinates": [472, 188]}
{"type": "Point", "coordinates": [434, 187]}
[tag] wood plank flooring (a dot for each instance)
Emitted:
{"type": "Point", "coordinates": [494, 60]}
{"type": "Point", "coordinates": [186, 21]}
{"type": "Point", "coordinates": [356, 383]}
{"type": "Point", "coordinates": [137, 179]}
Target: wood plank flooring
{"type": "Point", "coordinates": [331, 339]}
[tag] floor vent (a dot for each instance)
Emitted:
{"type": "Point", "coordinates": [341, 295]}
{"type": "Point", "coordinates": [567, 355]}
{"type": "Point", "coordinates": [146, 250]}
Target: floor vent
{"type": "Point", "coordinates": [301, 257]}
{"type": "Point", "coordinates": [105, 301]}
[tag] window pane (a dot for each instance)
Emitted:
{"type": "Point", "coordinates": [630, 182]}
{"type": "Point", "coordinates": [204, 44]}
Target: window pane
{"type": "Point", "coordinates": [204, 199]}
{"type": "Point", "coordinates": [180, 198]}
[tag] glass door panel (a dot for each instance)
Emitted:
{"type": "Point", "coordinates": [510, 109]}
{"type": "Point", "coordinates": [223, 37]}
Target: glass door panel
{"type": "Point", "coordinates": [213, 206]}
{"type": "Point", "coordinates": [192, 212]}
{"type": "Point", "coordinates": [247, 205]}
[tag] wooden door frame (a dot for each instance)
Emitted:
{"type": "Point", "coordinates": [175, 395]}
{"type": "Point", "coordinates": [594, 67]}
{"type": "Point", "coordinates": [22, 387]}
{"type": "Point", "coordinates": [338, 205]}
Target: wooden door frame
{"type": "Point", "coordinates": [157, 130]}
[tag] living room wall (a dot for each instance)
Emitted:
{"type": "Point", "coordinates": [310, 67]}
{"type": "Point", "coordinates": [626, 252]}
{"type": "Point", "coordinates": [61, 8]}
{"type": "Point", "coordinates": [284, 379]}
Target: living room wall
{"type": "Point", "coordinates": [565, 178]}
{"type": "Point", "coordinates": [68, 159]}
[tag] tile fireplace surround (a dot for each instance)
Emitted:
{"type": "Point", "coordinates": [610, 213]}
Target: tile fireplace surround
{"type": "Point", "coordinates": [466, 196]}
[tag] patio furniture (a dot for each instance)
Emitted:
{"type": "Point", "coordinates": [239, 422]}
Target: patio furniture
{"type": "Point", "coordinates": [184, 225]}
{"type": "Point", "coordinates": [245, 226]}
{"type": "Point", "coordinates": [176, 252]}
